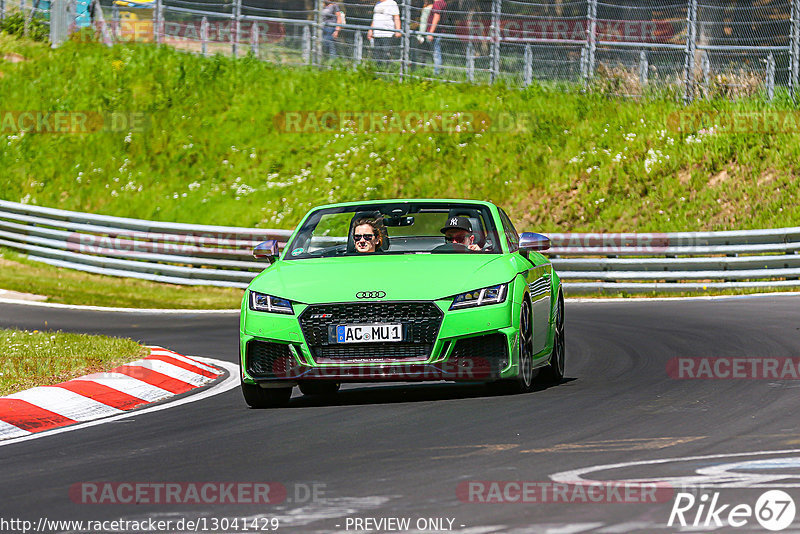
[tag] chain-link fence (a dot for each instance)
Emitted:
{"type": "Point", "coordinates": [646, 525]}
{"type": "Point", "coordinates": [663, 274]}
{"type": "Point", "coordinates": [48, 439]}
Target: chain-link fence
{"type": "Point", "coordinates": [694, 48]}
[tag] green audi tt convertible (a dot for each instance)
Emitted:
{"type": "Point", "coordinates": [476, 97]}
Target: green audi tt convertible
{"type": "Point", "coordinates": [401, 291]}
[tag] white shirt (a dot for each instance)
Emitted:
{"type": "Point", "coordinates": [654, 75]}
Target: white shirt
{"type": "Point", "coordinates": [383, 18]}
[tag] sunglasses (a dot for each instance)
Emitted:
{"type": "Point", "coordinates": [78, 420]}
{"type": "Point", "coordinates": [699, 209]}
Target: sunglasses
{"type": "Point", "coordinates": [366, 237]}
{"type": "Point", "coordinates": [456, 237]}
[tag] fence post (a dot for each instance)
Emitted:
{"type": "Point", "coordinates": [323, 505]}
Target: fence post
{"type": "Point", "coordinates": [643, 69]}
{"type": "Point", "coordinates": [691, 46]}
{"type": "Point", "coordinates": [591, 39]}
{"type": "Point", "coordinates": [159, 25]}
{"type": "Point", "coordinates": [254, 38]}
{"type": "Point", "coordinates": [316, 35]}
{"type": "Point", "coordinates": [770, 77]}
{"type": "Point", "coordinates": [405, 66]}
{"type": "Point", "coordinates": [470, 61]}
{"type": "Point", "coordinates": [358, 49]}
{"type": "Point", "coordinates": [105, 34]}
{"type": "Point", "coordinates": [495, 39]}
{"type": "Point", "coordinates": [204, 36]}
{"type": "Point", "coordinates": [705, 67]}
{"type": "Point", "coordinates": [307, 44]}
{"type": "Point", "coordinates": [237, 19]}
{"type": "Point", "coordinates": [58, 22]}
{"type": "Point", "coordinates": [22, 8]}
{"type": "Point", "coordinates": [794, 48]}
{"type": "Point", "coordinates": [2, 9]}
{"type": "Point", "coordinates": [528, 73]}
{"type": "Point", "coordinates": [115, 22]}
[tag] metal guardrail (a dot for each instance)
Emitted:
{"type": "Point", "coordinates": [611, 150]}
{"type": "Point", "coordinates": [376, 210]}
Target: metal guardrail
{"type": "Point", "coordinates": [222, 256]}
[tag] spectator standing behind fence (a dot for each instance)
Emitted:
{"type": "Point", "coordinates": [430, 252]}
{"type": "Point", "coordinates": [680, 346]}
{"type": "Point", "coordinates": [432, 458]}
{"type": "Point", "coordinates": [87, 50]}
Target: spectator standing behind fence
{"type": "Point", "coordinates": [437, 23]}
{"type": "Point", "coordinates": [332, 16]}
{"type": "Point", "coordinates": [419, 51]}
{"type": "Point", "coordinates": [384, 33]}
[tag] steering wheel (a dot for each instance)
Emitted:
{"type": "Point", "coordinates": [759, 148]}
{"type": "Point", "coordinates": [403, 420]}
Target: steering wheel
{"type": "Point", "coordinates": [451, 247]}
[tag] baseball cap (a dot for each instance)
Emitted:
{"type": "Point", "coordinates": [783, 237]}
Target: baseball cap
{"type": "Point", "coordinates": [457, 223]}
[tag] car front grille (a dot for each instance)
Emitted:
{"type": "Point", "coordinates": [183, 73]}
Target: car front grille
{"type": "Point", "coordinates": [421, 321]}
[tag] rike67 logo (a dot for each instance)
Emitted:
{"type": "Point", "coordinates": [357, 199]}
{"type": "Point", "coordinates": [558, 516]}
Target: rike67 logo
{"type": "Point", "coordinates": [774, 510]}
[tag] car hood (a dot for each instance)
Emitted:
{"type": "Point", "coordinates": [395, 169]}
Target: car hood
{"type": "Point", "coordinates": [402, 277]}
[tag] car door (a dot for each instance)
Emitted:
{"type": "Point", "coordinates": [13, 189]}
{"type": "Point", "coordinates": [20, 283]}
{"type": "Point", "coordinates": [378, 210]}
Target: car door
{"type": "Point", "coordinates": [538, 280]}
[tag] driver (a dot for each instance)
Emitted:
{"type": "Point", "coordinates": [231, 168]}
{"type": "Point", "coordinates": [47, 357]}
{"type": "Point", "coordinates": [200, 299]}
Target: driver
{"type": "Point", "coordinates": [458, 230]}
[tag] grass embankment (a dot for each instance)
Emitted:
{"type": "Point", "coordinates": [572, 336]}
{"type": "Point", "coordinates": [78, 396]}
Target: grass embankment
{"type": "Point", "coordinates": [212, 154]}
{"type": "Point", "coordinates": [40, 358]}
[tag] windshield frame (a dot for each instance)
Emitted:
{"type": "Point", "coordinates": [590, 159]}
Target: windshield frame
{"type": "Point", "coordinates": [397, 208]}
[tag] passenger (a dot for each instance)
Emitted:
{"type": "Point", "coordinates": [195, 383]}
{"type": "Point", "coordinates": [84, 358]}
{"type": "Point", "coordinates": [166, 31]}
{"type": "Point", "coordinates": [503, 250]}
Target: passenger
{"type": "Point", "coordinates": [367, 235]}
{"type": "Point", "coordinates": [458, 230]}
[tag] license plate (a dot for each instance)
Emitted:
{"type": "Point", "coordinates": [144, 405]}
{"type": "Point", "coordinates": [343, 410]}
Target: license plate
{"type": "Point", "coordinates": [369, 333]}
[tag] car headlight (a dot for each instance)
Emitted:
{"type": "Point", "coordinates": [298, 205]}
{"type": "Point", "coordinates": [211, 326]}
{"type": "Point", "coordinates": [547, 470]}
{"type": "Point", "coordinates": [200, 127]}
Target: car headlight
{"type": "Point", "coordinates": [480, 297]}
{"type": "Point", "coordinates": [268, 303]}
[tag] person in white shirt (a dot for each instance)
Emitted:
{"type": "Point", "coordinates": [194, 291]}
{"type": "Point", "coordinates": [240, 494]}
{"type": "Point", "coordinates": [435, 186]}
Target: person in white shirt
{"type": "Point", "coordinates": [384, 33]}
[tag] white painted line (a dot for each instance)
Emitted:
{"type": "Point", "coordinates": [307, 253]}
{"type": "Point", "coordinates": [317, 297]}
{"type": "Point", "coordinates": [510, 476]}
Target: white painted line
{"type": "Point", "coordinates": [575, 476]}
{"type": "Point", "coordinates": [129, 385]}
{"type": "Point", "coordinates": [164, 352]}
{"type": "Point", "coordinates": [678, 299]}
{"type": "Point", "coordinates": [148, 311]}
{"type": "Point", "coordinates": [231, 382]}
{"type": "Point", "coordinates": [65, 403]}
{"type": "Point", "coordinates": [173, 371]}
{"type": "Point", "coordinates": [7, 430]}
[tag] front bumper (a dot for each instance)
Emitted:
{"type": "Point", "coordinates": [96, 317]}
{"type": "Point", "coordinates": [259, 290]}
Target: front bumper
{"type": "Point", "coordinates": [476, 344]}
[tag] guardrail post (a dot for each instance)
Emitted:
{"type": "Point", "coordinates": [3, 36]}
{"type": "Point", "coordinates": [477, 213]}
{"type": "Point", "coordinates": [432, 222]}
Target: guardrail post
{"type": "Point", "coordinates": [404, 60]}
{"type": "Point", "coordinates": [495, 39]}
{"type": "Point", "coordinates": [358, 49]}
{"type": "Point", "coordinates": [237, 19]}
{"type": "Point", "coordinates": [306, 45]}
{"type": "Point", "coordinates": [794, 48]}
{"type": "Point", "coordinates": [470, 61]}
{"type": "Point", "coordinates": [528, 71]}
{"type": "Point", "coordinates": [643, 69]}
{"type": "Point", "coordinates": [770, 77]}
{"type": "Point", "coordinates": [254, 38]}
{"type": "Point", "coordinates": [689, 49]}
{"type": "Point", "coordinates": [591, 39]}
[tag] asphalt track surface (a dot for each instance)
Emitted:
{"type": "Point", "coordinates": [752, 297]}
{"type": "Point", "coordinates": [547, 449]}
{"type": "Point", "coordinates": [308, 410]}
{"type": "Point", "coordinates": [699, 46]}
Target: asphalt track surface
{"type": "Point", "coordinates": [401, 451]}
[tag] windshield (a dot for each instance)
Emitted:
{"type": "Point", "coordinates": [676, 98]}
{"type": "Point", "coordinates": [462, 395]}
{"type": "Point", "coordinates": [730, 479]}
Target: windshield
{"type": "Point", "coordinates": [401, 228]}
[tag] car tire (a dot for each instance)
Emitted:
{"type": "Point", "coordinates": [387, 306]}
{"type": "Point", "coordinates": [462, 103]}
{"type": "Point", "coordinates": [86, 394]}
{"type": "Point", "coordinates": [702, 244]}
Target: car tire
{"type": "Point", "coordinates": [523, 383]}
{"type": "Point", "coordinates": [554, 372]}
{"type": "Point", "coordinates": [257, 397]}
{"type": "Point", "coordinates": [319, 388]}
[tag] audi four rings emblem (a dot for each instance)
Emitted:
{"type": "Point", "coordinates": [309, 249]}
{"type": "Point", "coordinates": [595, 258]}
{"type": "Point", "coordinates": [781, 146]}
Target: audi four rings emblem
{"type": "Point", "coordinates": [370, 294]}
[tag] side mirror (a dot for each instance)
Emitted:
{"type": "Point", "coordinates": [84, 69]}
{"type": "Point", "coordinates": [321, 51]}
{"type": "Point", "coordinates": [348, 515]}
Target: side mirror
{"type": "Point", "coordinates": [530, 241]}
{"type": "Point", "coordinates": [266, 250]}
